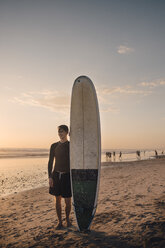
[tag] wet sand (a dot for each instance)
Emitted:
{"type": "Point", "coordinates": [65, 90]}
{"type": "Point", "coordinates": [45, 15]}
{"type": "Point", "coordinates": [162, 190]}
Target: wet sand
{"type": "Point", "coordinates": [130, 212]}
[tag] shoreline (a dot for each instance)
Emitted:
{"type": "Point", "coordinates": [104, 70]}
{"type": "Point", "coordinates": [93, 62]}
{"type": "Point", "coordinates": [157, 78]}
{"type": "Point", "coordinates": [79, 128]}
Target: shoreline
{"type": "Point", "coordinates": [133, 162]}
{"type": "Point", "coordinates": [103, 165]}
{"type": "Point", "coordinates": [22, 153]}
{"type": "Point", "coordinates": [108, 164]}
{"type": "Point", "coordinates": [130, 212]}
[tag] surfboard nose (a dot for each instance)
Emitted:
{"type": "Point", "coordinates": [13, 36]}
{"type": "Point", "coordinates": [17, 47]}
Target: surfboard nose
{"type": "Point", "coordinates": [82, 79]}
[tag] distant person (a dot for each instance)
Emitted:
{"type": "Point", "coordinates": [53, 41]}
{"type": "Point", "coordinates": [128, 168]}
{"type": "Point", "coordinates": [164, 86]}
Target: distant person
{"type": "Point", "coordinates": [156, 153]}
{"type": "Point", "coordinates": [120, 154]}
{"type": "Point", "coordinates": [108, 155]}
{"type": "Point", "coordinates": [59, 177]}
{"type": "Point", "coordinates": [114, 156]}
{"type": "Point", "coordinates": [138, 154]}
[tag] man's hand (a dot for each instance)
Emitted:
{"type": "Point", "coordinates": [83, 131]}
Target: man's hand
{"type": "Point", "coordinates": [50, 182]}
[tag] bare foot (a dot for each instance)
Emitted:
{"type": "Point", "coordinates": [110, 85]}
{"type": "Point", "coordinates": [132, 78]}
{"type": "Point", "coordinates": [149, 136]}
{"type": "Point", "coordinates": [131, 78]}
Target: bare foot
{"type": "Point", "coordinates": [59, 226]}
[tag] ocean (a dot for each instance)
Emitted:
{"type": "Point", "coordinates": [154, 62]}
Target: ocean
{"type": "Point", "coordinates": [23, 169]}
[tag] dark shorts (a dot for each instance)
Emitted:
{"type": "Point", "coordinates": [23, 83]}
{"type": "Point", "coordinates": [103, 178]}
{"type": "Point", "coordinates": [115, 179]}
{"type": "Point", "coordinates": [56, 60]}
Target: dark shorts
{"type": "Point", "coordinates": [61, 185]}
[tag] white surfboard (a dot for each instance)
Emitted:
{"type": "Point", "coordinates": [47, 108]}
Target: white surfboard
{"type": "Point", "coordinates": [85, 150]}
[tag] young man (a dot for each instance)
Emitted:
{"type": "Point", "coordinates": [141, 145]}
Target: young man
{"type": "Point", "coordinates": [59, 177]}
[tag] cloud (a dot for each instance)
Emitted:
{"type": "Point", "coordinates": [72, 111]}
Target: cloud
{"type": "Point", "coordinates": [143, 89]}
{"type": "Point", "coordinates": [124, 49]}
{"type": "Point", "coordinates": [105, 92]}
{"type": "Point", "coordinates": [59, 102]}
{"type": "Point", "coordinates": [125, 90]}
{"type": "Point", "coordinates": [146, 84]}
{"type": "Point", "coordinates": [52, 100]}
{"type": "Point", "coordinates": [162, 82]}
{"type": "Point", "coordinates": [153, 84]}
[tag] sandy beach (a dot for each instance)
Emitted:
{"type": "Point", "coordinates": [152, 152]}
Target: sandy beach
{"type": "Point", "coordinates": [130, 212]}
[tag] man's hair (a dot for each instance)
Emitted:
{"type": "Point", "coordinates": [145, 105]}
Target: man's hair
{"type": "Point", "coordinates": [63, 127]}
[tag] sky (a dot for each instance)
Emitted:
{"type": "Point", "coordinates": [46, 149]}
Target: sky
{"type": "Point", "coordinates": [46, 44]}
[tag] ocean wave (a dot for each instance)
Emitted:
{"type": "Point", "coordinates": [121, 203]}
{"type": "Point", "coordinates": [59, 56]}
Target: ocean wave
{"type": "Point", "coordinates": [23, 153]}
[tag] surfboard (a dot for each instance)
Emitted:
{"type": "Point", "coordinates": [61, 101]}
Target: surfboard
{"type": "Point", "coordinates": [85, 151]}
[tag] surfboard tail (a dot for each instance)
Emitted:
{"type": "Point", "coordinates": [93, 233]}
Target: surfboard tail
{"type": "Point", "coordinates": [84, 186]}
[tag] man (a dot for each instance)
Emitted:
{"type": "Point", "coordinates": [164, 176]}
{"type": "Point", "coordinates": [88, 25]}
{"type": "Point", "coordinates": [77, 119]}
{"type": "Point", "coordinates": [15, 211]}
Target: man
{"type": "Point", "coordinates": [59, 177]}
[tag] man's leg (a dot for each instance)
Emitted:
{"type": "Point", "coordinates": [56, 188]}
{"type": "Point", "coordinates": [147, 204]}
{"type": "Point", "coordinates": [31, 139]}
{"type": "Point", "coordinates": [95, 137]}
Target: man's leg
{"type": "Point", "coordinates": [58, 211]}
{"type": "Point", "coordinates": [67, 210]}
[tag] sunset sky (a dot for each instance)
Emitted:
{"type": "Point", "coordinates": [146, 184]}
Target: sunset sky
{"type": "Point", "coordinates": [46, 44]}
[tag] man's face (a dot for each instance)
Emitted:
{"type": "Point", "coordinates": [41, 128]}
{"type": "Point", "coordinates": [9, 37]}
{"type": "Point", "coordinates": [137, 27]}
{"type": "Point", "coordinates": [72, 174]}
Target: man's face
{"type": "Point", "coordinates": [62, 134]}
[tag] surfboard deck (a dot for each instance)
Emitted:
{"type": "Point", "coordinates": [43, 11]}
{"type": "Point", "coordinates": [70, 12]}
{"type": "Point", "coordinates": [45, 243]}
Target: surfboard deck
{"type": "Point", "coordinates": [85, 150]}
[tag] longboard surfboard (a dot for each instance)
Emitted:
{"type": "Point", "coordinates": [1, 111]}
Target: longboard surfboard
{"type": "Point", "coordinates": [85, 151]}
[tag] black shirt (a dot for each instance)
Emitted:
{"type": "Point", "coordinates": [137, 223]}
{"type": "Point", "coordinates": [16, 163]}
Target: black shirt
{"type": "Point", "coordinates": [60, 152]}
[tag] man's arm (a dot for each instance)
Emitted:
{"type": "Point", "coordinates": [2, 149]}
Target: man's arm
{"type": "Point", "coordinates": [51, 159]}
